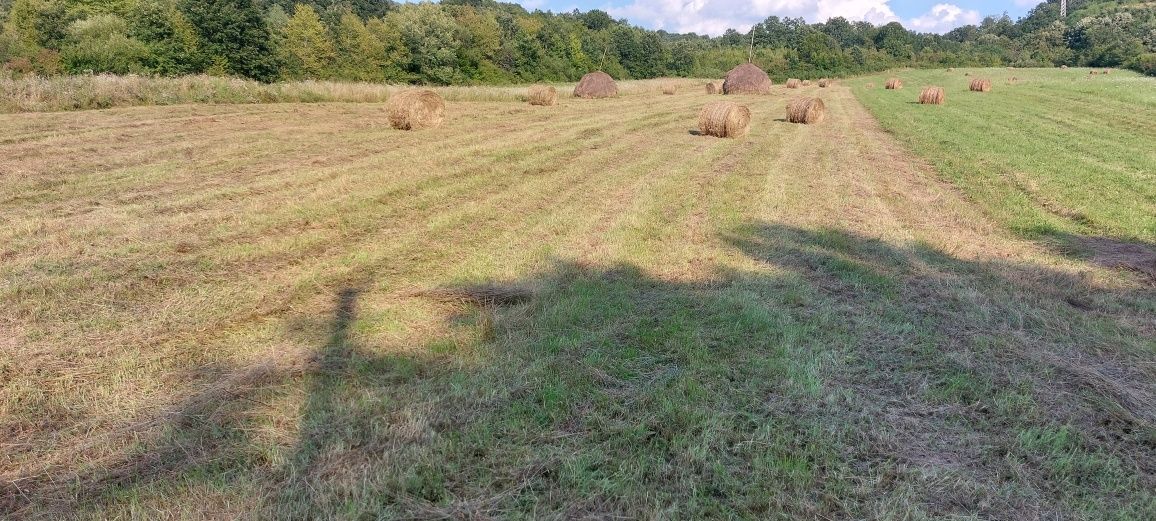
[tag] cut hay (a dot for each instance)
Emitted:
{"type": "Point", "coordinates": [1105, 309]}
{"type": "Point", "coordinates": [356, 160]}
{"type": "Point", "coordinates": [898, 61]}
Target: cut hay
{"type": "Point", "coordinates": [806, 83]}
{"type": "Point", "coordinates": [488, 295]}
{"type": "Point", "coordinates": [543, 95]}
{"type": "Point", "coordinates": [808, 111]}
{"type": "Point", "coordinates": [932, 96]}
{"type": "Point", "coordinates": [893, 84]}
{"type": "Point", "coordinates": [823, 83]}
{"type": "Point", "coordinates": [713, 88]}
{"type": "Point", "coordinates": [596, 84]}
{"type": "Point", "coordinates": [724, 119]}
{"type": "Point", "coordinates": [793, 83]}
{"type": "Point", "coordinates": [668, 89]}
{"type": "Point", "coordinates": [980, 85]}
{"type": "Point", "coordinates": [746, 79]}
{"type": "Point", "coordinates": [415, 110]}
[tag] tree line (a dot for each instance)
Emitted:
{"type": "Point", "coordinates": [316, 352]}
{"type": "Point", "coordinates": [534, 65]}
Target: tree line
{"type": "Point", "coordinates": [487, 42]}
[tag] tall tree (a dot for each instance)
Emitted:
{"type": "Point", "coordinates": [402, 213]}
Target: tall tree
{"type": "Point", "coordinates": [234, 36]}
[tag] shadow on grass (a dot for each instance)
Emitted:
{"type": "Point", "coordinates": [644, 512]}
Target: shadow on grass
{"type": "Point", "coordinates": [844, 377]}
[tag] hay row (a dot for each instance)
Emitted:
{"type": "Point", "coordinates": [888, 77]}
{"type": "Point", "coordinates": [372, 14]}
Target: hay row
{"type": "Point", "coordinates": [724, 119]}
{"type": "Point", "coordinates": [807, 111]}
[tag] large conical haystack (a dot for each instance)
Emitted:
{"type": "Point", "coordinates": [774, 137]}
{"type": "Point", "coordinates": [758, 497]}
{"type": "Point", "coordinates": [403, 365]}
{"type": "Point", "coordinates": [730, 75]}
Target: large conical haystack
{"type": "Point", "coordinates": [893, 84]}
{"type": "Point", "coordinates": [932, 96]}
{"type": "Point", "coordinates": [543, 95]}
{"type": "Point", "coordinates": [713, 88]}
{"type": "Point", "coordinates": [980, 85]}
{"type": "Point", "coordinates": [724, 119]}
{"type": "Point", "coordinates": [746, 79]}
{"type": "Point", "coordinates": [806, 110]}
{"type": "Point", "coordinates": [596, 84]}
{"type": "Point", "coordinates": [415, 110]}
{"type": "Point", "coordinates": [793, 83]}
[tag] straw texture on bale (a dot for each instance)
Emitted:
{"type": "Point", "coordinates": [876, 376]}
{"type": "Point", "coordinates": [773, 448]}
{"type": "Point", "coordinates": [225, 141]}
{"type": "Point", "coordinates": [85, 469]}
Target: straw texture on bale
{"type": "Point", "coordinates": [823, 83]}
{"type": "Point", "coordinates": [543, 95]}
{"type": "Point", "coordinates": [808, 111]}
{"type": "Point", "coordinates": [893, 84]}
{"type": "Point", "coordinates": [746, 79]}
{"type": "Point", "coordinates": [980, 85]}
{"type": "Point", "coordinates": [1063, 66]}
{"type": "Point", "coordinates": [415, 110]}
{"type": "Point", "coordinates": [793, 83]}
{"type": "Point", "coordinates": [806, 83]}
{"type": "Point", "coordinates": [1106, 71]}
{"type": "Point", "coordinates": [668, 89]}
{"type": "Point", "coordinates": [724, 119]}
{"type": "Point", "coordinates": [713, 88]}
{"type": "Point", "coordinates": [932, 96]}
{"type": "Point", "coordinates": [596, 84]}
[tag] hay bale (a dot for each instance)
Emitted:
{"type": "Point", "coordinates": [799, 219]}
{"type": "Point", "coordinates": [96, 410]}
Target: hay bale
{"type": "Point", "coordinates": [1012, 80]}
{"type": "Point", "coordinates": [1063, 66]}
{"type": "Point", "coordinates": [980, 85]}
{"type": "Point", "coordinates": [808, 111]}
{"type": "Point", "coordinates": [415, 110]}
{"type": "Point", "coordinates": [869, 86]}
{"type": "Point", "coordinates": [932, 96]}
{"type": "Point", "coordinates": [543, 95]}
{"type": "Point", "coordinates": [806, 83]}
{"type": "Point", "coordinates": [724, 119]}
{"type": "Point", "coordinates": [713, 88]}
{"type": "Point", "coordinates": [668, 89]}
{"type": "Point", "coordinates": [793, 83]}
{"type": "Point", "coordinates": [746, 79]}
{"type": "Point", "coordinates": [596, 84]}
{"type": "Point", "coordinates": [893, 84]}
{"type": "Point", "coordinates": [951, 69]}
{"type": "Point", "coordinates": [1106, 71]}
{"type": "Point", "coordinates": [823, 83]}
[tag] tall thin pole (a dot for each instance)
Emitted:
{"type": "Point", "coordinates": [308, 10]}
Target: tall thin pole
{"type": "Point", "coordinates": [751, 52]}
{"type": "Point", "coordinates": [1063, 8]}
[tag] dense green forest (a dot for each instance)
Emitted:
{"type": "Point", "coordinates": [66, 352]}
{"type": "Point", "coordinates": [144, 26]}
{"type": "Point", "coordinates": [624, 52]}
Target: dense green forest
{"type": "Point", "coordinates": [486, 42]}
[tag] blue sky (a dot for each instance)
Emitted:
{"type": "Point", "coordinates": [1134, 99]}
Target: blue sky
{"type": "Point", "coordinates": [714, 16]}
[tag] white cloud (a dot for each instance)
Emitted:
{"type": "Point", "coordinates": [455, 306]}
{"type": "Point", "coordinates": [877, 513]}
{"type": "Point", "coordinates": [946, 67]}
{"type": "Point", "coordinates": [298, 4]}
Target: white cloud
{"type": "Point", "coordinates": [714, 17]}
{"type": "Point", "coordinates": [944, 17]}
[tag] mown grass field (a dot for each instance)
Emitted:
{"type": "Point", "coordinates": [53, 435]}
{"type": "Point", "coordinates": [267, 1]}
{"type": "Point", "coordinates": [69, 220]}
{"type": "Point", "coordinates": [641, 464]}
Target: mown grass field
{"type": "Point", "coordinates": [260, 311]}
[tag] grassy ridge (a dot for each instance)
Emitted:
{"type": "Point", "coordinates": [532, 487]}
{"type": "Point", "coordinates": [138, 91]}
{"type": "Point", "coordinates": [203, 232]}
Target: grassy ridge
{"type": "Point", "coordinates": [225, 311]}
{"type": "Point", "coordinates": [1058, 151]}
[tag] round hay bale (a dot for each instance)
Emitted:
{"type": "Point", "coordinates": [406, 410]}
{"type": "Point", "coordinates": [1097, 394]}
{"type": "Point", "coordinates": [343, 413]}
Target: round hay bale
{"type": "Point", "coordinates": [669, 89]}
{"type": "Point", "coordinates": [713, 88]}
{"type": "Point", "coordinates": [1106, 71]}
{"type": "Point", "coordinates": [893, 84]}
{"type": "Point", "coordinates": [596, 84]}
{"type": "Point", "coordinates": [823, 83]}
{"type": "Point", "coordinates": [980, 85]}
{"type": "Point", "coordinates": [746, 79]}
{"type": "Point", "coordinates": [869, 86]}
{"type": "Point", "coordinates": [793, 83]}
{"type": "Point", "coordinates": [951, 69]}
{"type": "Point", "coordinates": [543, 95]}
{"type": "Point", "coordinates": [932, 96]}
{"type": "Point", "coordinates": [415, 110]}
{"type": "Point", "coordinates": [724, 119]}
{"type": "Point", "coordinates": [807, 111]}
{"type": "Point", "coordinates": [1063, 66]}
{"type": "Point", "coordinates": [806, 83]}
